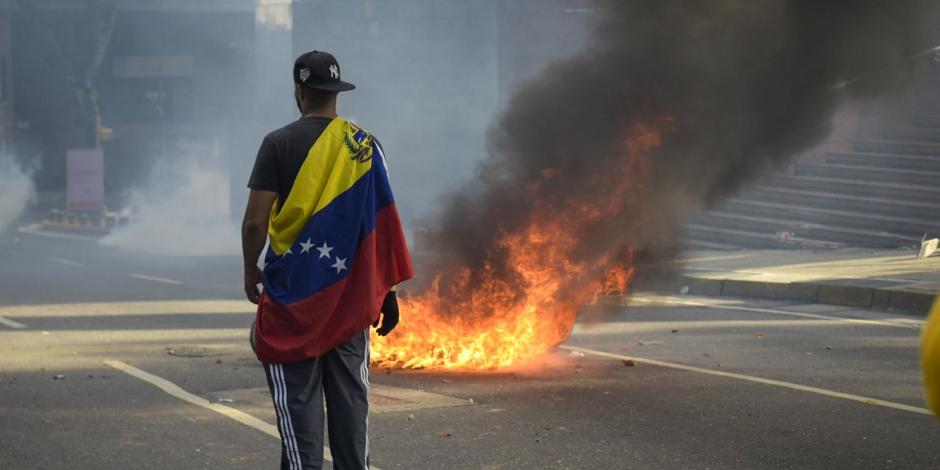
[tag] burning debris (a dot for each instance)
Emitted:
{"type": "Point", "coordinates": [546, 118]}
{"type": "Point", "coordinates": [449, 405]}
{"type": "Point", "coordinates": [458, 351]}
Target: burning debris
{"type": "Point", "coordinates": [672, 106]}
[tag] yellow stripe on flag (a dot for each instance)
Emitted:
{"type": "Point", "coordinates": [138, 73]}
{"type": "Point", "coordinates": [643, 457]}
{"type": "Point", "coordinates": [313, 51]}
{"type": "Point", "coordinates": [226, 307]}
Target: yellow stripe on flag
{"type": "Point", "coordinates": [331, 168]}
{"type": "Point", "coordinates": [930, 358]}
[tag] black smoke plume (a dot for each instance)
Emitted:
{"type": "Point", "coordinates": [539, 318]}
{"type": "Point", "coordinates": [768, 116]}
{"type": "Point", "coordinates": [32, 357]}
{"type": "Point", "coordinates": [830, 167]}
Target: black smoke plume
{"type": "Point", "coordinates": [737, 88]}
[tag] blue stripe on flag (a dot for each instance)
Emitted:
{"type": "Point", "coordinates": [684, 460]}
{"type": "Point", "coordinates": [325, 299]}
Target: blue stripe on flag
{"type": "Point", "coordinates": [312, 266]}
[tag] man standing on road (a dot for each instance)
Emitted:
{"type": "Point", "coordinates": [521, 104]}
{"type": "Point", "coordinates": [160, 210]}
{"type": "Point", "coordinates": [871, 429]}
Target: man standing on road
{"type": "Point", "coordinates": [320, 191]}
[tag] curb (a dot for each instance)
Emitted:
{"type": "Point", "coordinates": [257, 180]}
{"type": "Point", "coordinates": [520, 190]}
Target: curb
{"type": "Point", "coordinates": [85, 220]}
{"type": "Point", "coordinates": [901, 300]}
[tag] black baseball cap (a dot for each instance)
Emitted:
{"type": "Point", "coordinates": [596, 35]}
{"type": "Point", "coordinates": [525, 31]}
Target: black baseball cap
{"type": "Point", "coordinates": [320, 71]}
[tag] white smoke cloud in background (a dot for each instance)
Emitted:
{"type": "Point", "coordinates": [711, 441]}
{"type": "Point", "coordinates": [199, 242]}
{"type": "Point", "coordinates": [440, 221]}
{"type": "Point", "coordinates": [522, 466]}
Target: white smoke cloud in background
{"type": "Point", "coordinates": [17, 191]}
{"type": "Point", "coordinates": [185, 211]}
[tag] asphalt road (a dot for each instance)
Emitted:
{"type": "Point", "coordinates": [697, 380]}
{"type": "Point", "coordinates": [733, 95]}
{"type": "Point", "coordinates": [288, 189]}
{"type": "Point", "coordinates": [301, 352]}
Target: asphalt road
{"type": "Point", "coordinates": [665, 383]}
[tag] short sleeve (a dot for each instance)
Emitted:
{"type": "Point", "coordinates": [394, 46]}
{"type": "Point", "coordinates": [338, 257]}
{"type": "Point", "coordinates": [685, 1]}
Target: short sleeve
{"type": "Point", "coordinates": [264, 174]}
{"type": "Point", "coordinates": [378, 149]}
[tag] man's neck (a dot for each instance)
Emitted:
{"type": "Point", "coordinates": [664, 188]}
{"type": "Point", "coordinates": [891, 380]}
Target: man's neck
{"type": "Point", "coordinates": [321, 113]}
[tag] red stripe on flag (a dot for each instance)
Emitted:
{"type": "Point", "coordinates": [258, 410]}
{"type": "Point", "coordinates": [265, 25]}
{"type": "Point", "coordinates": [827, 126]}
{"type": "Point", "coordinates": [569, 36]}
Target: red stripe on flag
{"type": "Point", "coordinates": [313, 326]}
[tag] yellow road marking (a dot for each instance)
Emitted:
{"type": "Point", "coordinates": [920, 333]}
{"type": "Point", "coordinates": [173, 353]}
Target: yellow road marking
{"type": "Point", "coordinates": [749, 378]}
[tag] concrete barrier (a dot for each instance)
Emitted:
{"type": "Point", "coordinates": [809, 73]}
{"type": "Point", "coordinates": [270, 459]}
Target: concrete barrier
{"type": "Point", "coordinates": [879, 298]}
{"type": "Point", "coordinates": [853, 296]}
{"type": "Point", "coordinates": [770, 290]}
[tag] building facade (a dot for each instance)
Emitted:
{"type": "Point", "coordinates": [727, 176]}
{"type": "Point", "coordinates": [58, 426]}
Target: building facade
{"type": "Point", "coordinates": [150, 81]}
{"type": "Point", "coordinates": [141, 80]}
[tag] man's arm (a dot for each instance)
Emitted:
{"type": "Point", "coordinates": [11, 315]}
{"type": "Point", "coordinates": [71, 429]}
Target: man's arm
{"type": "Point", "coordinates": [254, 234]}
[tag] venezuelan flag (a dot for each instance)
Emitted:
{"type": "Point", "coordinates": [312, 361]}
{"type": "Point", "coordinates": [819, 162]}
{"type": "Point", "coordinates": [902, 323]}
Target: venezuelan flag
{"type": "Point", "coordinates": [336, 249]}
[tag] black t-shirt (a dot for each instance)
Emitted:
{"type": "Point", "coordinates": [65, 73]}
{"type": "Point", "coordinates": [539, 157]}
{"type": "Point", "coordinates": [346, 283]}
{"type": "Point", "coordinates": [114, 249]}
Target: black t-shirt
{"type": "Point", "coordinates": [283, 152]}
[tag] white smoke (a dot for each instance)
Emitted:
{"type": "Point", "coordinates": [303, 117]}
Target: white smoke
{"type": "Point", "coordinates": [185, 211]}
{"type": "Point", "coordinates": [16, 191]}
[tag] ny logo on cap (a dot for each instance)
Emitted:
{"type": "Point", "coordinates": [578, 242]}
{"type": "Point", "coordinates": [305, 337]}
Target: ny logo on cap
{"type": "Point", "coordinates": [334, 71]}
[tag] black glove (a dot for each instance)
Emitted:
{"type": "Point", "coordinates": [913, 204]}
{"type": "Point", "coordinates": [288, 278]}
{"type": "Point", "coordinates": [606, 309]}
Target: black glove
{"type": "Point", "coordinates": [389, 314]}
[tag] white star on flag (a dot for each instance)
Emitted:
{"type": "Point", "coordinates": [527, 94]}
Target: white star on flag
{"type": "Point", "coordinates": [324, 250]}
{"type": "Point", "coordinates": [306, 246]}
{"type": "Point", "coordinates": [340, 265]}
{"type": "Point", "coordinates": [288, 252]}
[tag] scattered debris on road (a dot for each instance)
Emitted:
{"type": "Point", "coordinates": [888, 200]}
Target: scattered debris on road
{"type": "Point", "coordinates": [192, 351]}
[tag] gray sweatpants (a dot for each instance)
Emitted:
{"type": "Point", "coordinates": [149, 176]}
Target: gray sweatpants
{"type": "Point", "coordinates": [298, 390]}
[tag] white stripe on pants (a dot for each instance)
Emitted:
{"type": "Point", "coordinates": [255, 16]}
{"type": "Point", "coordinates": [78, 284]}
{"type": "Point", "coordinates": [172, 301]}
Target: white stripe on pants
{"type": "Point", "coordinates": [298, 390]}
{"type": "Point", "coordinates": [289, 441]}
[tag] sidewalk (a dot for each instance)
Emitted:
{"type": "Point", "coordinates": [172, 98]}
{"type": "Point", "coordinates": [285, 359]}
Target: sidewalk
{"type": "Point", "coordinates": [885, 279]}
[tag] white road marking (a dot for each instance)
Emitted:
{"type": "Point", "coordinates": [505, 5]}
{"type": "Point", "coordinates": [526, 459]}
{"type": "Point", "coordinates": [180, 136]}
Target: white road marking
{"type": "Point", "coordinates": [11, 323]}
{"type": "Point", "coordinates": [760, 380]}
{"type": "Point", "coordinates": [894, 279]}
{"type": "Point", "coordinates": [66, 262]}
{"type": "Point", "coordinates": [893, 322]}
{"type": "Point", "coordinates": [174, 390]}
{"type": "Point", "coordinates": [627, 327]}
{"type": "Point", "coordinates": [771, 273]}
{"type": "Point", "coordinates": [712, 270]}
{"type": "Point", "coordinates": [155, 279]}
{"type": "Point", "coordinates": [711, 258]}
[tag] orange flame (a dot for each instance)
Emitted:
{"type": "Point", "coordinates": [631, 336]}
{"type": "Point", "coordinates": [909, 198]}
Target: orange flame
{"type": "Point", "coordinates": [507, 320]}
